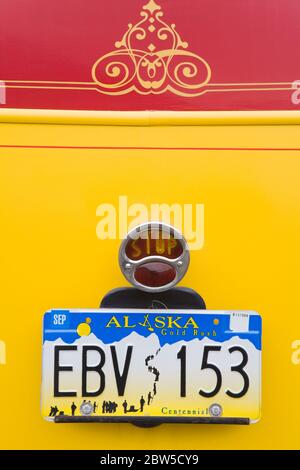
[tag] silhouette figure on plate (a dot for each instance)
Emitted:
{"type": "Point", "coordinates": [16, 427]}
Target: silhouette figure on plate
{"type": "Point", "coordinates": [132, 409]}
{"type": "Point", "coordinates": [53, 411]}
{"type": "Point", "coordinates": [73, 408]}
{"type": "Point", "coordinates": [156, 373]}
{"type": "Point", "coordinates": [125, 406]}
{"type": "Point", "coordinates": [149, 358]}
{"type": "Point", "coordinates": [142, 403]}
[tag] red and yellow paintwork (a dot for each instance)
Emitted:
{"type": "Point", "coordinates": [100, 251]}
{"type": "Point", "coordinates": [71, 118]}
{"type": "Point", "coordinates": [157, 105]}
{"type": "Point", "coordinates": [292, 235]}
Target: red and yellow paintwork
{"type": "Point", "coordinates": [69, 141]}
{"type": "Point", "coordinates": [49, 50]}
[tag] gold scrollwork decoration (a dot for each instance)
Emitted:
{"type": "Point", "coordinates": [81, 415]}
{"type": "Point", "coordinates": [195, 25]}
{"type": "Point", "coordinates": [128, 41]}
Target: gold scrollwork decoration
{"type": "Point", "coordinates": [151, 58]}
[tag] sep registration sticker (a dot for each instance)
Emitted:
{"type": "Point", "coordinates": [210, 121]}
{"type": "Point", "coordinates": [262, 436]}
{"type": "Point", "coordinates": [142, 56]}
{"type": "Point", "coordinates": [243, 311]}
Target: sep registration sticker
{"type": "Point", "coordinates": [151, 366]}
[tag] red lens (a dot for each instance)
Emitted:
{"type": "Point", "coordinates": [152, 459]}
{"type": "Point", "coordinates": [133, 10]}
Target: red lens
{"type": "Point", "coordinates": [155, 274]}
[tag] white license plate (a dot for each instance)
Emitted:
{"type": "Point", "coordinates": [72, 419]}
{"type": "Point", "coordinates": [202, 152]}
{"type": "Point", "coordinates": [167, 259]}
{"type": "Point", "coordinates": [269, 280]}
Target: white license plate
{"type": "Point", "coordinates": [151, 366]}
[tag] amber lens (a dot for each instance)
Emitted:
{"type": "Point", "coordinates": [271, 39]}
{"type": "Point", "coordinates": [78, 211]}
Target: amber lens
{"type": "Point", "coordinates": [153, 243]}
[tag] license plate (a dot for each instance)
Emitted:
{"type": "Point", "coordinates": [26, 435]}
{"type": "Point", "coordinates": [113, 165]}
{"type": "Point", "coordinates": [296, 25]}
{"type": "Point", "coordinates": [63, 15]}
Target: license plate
{"type": "Point", "coordinates": [151, 366]}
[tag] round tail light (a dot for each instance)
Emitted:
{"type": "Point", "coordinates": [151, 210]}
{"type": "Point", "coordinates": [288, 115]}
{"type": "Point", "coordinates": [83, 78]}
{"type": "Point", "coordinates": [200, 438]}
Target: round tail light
{"type": "Point", "coordinates": [154, 257]}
